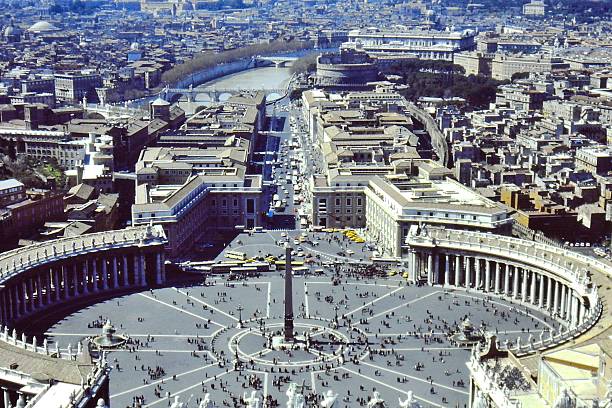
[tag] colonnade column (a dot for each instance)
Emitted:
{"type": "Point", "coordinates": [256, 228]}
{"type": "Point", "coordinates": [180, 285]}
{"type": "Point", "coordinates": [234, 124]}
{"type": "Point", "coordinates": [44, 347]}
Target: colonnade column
{"type": "Point", "coordinates": [429, 269]}
{"type": "Point", "coordinates": [143, 275]}
{"type": "Point", "coordinates": [436, 271]}
{"type": "Point", "coordinates": [17, 299]}
{"type": "Point", "coordinates": [557, 296]}
{"type": "Point", "coordinates": [457, 270]}
{"type": "Point", "coordinates": [85, 277]}
{"type": "Point", "coordinates": [497, 276]}
{"type": "Point", "coordinates": [95, 275]}
{"type": "Point", "coordinates": [7, 398]}
{"type": "Point", "coordinates": [532, 291]}
{"type": "Point", "coordinates": [104, 274]}
{"type": "Point", "coordinates": [515, 286]}
{"type": "Point", "coordinates": [549, 293]}
{"type": "Point", "coordinates": [126, 281]}
{"type": "Point", "coordinates": [27, 296]}
{"type": "Point", "coordinates": [468, 271]}
{"type": "Point", "coordinates": [487, 281]}
{"type": "Point", "coordinates": [115, 273]}
{"type": "Point", "coordinates": [477, 273]}
{"type": "Point", "coordinates": [11, 305]}
{"type": "Point", "coordinates": [136, 270]}
{"type": "Point", "coordinates": [412, 264]}
{"type": "Point", "coordinates": [524, 283]}
{"type": "Point", "coordinates": [563, 301]}
{"type": "Point", "coordinates": [75, 280]}
{"type": "Point", "coordinates": [48, 286]}
{"type": "Point", "coordinates": [66, 282]}
{"type": "Point", "coordinates": [507, 279]}
{"type": "Point", "coordinates": [579, 312]}
{"type": "Point", "coordinates": [570, 307]}
{"type": "Point", "coordinates": [574, 310]}
{"type": "Point", "coordinates": [446, 270]}
{"type": "Point", "coordinates": [39, 292]}
{"type": "Point", "coordinates": [3, 309]}
{"type": "Point", "coordinates": [56, 284]}
{"type": "Point", "coordinates": [541, 295]}
{"type": "Point", "coordinates": [28, 293]}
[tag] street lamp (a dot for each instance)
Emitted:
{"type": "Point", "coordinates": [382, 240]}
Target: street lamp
{"type": "Point", "coordinates": [240, 309]}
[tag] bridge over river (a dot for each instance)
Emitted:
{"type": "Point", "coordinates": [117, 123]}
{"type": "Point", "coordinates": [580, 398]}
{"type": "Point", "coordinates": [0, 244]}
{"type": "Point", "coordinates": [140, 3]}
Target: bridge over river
{"type": "Point", "coordinates": [213, 94]}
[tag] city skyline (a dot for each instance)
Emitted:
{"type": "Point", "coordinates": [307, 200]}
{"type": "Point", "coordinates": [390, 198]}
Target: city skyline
{"type": "Point", "coordinates": [305, 203]}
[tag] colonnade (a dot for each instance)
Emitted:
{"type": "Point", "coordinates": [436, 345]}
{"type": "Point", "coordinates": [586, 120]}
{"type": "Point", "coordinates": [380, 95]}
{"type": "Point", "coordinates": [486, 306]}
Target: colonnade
{"type": "Point", "coordinates": [511, 279]}
{"type": "Point", "coordinates": [70, 278]}
{"type": "Point", "coordinates": [9, 395]}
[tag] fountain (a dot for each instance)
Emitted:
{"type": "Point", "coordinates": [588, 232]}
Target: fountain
{"type": "Point", "coordinates": [108, 339]}
{"type": "Point", "coordinates": [467, 334]}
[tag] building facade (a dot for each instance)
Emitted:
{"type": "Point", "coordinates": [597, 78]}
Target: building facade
{"type": "Point", "coordinates": [426, 44]}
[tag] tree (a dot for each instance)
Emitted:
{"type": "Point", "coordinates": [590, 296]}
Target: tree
{"type": "Point", "coordinates": [305, 64]}
{"type": "Point", "coordinates": [519, 75]}
{"type": "Point", "coordinates": [444, 79]}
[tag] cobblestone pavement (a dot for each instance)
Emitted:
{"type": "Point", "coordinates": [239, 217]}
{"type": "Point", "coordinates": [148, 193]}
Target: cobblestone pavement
{"type": "Point", "coordinates": [389, 337]}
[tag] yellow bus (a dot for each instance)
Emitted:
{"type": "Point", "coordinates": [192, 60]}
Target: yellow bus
{"type": "Point", "coordinates": [241, 256]}
{"type": "Point", "coordinates": [281, 264]}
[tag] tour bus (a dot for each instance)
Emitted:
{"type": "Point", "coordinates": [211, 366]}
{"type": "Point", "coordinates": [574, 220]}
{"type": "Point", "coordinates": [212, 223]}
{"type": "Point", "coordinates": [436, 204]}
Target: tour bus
{"type": "Point", "coordinates": [278, 206]}
{"type": "Point", "coordinates": [241, 256]}
{"type": "Point", "coordinates": [281, 264]}
{"type": "Point", "coordinates": [385, 261]}
{"type": "Point", "coordinates": [243, 270]}
{"type": "Point", "coordinates": [300, 270]}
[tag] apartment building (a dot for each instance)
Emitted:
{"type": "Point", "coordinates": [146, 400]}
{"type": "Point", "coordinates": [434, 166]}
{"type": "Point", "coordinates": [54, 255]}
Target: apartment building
{"type": "Point", "coordinates": [195, 192]}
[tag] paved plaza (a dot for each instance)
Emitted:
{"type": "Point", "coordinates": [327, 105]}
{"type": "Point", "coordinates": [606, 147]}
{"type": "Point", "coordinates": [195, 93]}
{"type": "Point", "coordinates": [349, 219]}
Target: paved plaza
{"type": "Point", "coordinates": [359, 336]}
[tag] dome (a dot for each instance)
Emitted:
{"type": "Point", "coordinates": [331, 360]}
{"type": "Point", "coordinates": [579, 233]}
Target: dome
{"type": "Point", "coordinates": [42, 27]}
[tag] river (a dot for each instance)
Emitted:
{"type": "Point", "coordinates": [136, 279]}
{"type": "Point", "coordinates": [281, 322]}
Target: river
{"type": "Point", "coordinates": [256, 78]}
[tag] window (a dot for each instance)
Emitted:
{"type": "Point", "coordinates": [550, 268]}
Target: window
{"type": "Point", "coordinates": [337, 201]}
{"type": "Point", "coordinates": [359, 201]}
{"type": "Point", "coordinates": [348, 201]}
{"type": "Point", "coordinates": [224, 203]}
{"type": "Point", "coordinates": [235, 202]}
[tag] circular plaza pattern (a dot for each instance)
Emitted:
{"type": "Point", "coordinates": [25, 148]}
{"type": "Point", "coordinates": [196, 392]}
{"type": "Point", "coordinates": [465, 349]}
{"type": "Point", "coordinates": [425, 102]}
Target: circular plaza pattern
{"type": "Point", "coordinates": [359, 336]}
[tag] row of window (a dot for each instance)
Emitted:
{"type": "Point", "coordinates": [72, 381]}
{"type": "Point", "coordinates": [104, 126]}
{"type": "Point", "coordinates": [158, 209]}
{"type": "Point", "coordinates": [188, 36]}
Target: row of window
{"type": "Point", "coordinates": [446, 215]}
{"type": "Point", "coordinates": [348, 201]}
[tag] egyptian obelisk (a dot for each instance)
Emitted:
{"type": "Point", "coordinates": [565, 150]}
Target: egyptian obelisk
{"type": "Point", "coordinates": [288, 295]}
